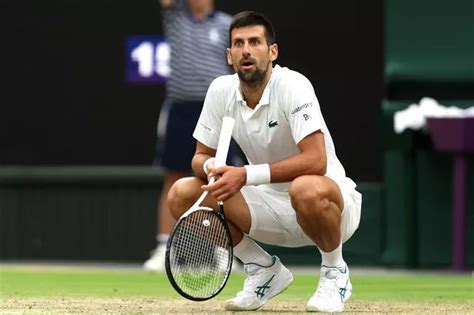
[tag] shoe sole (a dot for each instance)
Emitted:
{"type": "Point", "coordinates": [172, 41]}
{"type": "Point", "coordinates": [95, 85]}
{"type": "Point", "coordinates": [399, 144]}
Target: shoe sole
{"type": "Point", "coordinates": [315, 309]}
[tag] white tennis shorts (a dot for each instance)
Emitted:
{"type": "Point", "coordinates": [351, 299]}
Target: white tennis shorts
{"type": "Point", "coordinates": [274, 219]}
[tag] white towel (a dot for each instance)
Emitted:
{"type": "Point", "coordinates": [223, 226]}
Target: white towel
{"type": "Point", "coordinates": [414, 116]}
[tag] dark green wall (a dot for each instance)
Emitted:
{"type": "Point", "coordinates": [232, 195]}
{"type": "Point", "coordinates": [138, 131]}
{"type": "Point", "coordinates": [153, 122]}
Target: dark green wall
{"type": "Point", "coordinates": [78, 214]}
{"type": "Point", "coordinates": [429, 51]}
{"type": "Point", "coordinates": [109, 214]}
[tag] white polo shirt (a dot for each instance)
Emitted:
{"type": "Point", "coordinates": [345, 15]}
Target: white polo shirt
{"type": "Point", "coordinates": [287, 112]}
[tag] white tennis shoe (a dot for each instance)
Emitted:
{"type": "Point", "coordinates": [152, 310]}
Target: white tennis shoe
{"type": "Point", "coordinates": [262, 284]}
{"type": "Point", "coordinates": [333, 290]}
{"type": "Point", "coordinates": [156, 262]}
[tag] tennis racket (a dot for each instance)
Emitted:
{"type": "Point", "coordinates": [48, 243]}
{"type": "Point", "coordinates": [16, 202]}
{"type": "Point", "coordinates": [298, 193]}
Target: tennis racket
{"type": "Point", "coordinates": [199, 250]}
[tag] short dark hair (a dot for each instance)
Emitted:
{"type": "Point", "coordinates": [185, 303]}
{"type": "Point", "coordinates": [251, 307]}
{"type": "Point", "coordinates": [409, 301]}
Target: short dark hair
{"type": "Point", "coordinates": [252, 18]}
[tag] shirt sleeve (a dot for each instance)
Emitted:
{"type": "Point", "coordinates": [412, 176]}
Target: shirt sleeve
{"type": "Point", "coordinates": [303, 111]}
{"type": "Point", "coordinates": [209, 124]}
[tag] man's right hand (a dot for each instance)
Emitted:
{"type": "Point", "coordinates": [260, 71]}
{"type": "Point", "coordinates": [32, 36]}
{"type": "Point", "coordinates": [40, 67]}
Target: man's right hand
{"type": "Point", "coordinates": [231, 180]}
{"type": "Point", "coordinates": [166, 3]}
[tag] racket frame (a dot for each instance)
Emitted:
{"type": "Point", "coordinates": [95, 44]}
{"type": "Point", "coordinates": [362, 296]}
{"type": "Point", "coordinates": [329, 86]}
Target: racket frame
{"type": "Point", "coordinates": [220, 158]}
{"type": "Point", "coordinates": [221, 216]}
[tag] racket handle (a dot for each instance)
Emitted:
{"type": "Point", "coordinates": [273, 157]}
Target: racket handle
{"type": "Point", "coordinates": [224, 141]}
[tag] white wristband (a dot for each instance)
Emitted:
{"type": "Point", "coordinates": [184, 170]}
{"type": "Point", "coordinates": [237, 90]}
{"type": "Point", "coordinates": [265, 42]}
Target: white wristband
{"type": "Point", "coordinates": [258, 174]}
{"type": "Point", "coordinates": [205, 165]}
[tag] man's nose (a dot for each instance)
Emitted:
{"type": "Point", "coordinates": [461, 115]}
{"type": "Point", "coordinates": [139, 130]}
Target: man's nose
{"type": "Point", "coordinates": [246, 50]}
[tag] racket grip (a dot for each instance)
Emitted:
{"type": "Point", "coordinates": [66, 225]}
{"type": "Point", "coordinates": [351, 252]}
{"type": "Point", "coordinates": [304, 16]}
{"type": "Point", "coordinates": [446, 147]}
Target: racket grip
{"type": "Point", "coordinates": [224, 141]}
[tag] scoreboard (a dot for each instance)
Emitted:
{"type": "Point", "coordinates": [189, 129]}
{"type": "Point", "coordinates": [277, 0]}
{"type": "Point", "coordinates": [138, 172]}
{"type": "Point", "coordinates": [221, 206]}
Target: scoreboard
{"type": "Point", "coordinates": [147, 60]}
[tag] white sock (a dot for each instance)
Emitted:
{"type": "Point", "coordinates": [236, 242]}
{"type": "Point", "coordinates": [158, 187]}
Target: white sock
{"type": "Point", "coordinates": [250, 252]}
{"type": "Point", "coordinates": [332, 259]}
{"type": "Point", "coordinates": [162, 239]}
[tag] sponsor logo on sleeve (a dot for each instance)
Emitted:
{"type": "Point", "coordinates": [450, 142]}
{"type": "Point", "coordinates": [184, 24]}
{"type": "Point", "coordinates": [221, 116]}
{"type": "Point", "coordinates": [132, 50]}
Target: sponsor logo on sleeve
{"type": "Point", "coordinates": [208, 129]}
{"type": "Point", "coordinates": [300, 108]}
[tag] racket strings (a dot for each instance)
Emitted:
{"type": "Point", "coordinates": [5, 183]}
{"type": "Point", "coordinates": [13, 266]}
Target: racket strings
{"type": "Point", "coordinates": [200, 257]}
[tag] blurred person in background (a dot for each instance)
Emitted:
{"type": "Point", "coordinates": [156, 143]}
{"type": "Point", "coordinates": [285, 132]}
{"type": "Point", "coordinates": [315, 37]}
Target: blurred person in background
{"type": "Point", "coordinates": [198, 37]}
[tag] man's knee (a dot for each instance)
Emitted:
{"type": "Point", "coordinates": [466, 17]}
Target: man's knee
{"type": "Point", "coordinates": [183, 194]}
{"type": "Point", "coordinates": [310, 195]}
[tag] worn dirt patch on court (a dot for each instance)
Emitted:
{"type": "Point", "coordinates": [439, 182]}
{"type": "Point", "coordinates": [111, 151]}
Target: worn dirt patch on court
{"type": "Point", "coordinates": [71, 305]}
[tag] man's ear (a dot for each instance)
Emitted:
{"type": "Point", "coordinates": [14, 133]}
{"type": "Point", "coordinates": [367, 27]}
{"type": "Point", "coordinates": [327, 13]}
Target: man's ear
{"type": "Point", "coordinates": [273, 52]}
{"type": "Point", "coordinates": [229, 57]}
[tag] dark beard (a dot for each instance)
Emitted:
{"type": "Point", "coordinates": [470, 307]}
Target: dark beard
{"type": "Point", "coordinates": [253, 77]}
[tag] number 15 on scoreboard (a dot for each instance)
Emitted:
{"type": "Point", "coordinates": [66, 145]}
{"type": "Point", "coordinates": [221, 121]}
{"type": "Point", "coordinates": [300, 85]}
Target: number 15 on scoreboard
{"type": "Point", "coordinates": [147, 60]}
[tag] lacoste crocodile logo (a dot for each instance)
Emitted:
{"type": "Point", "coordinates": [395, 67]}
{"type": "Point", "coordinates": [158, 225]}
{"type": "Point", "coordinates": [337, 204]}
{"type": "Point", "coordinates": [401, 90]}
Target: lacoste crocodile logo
{"type": "Point", "coordinates": [272, 123]}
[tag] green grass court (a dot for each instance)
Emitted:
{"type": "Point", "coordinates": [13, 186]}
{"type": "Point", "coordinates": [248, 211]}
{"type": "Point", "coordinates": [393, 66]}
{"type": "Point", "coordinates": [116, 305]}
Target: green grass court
{"type": "Point", "coordinates": [34, 290]}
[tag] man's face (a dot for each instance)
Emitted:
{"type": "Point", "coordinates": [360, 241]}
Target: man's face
{"type": "Point", "coordinates": [249, 54]}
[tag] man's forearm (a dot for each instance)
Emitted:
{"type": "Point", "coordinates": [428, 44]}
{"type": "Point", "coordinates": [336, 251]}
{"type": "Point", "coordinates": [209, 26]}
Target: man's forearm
{"type": "Point", "coordinates": [311, 160]}
{"type": "Point", "coordinates": [298, 165]}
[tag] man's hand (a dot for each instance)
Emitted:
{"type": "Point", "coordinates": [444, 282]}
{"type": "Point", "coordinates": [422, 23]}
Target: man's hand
{"type": "Point", "coordinates": [166, 3]}
{"type": "Point", "coordinates": [230, 180]}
